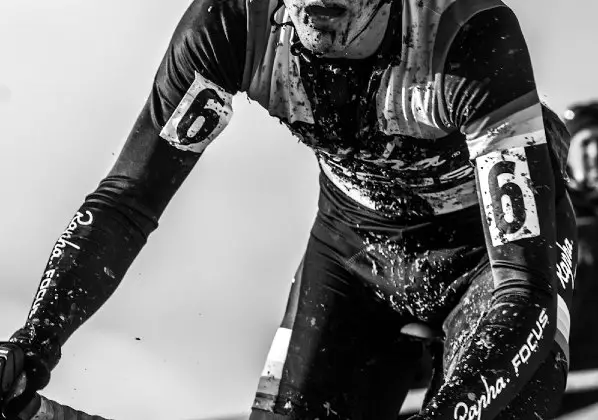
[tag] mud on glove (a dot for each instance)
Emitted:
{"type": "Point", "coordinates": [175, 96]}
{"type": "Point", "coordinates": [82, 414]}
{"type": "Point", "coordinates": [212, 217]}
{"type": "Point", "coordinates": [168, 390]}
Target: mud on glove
{"type": "Point", "coordinates": [24, 369]}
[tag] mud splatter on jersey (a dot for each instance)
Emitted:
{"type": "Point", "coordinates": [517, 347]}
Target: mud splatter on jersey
{"type": "Point", "coordinates": [376, 124]}
{"type": "Point", "coordinates": [434, 124]}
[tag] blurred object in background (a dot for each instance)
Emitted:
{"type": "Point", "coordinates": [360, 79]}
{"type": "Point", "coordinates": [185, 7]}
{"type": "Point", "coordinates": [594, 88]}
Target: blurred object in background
{"type": "Point", "coordinates": [582, 122]}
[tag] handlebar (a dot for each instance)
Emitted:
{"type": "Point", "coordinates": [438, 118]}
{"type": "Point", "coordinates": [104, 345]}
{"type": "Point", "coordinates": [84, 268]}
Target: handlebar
{"type": "Point", "coordinates": [52, 410]}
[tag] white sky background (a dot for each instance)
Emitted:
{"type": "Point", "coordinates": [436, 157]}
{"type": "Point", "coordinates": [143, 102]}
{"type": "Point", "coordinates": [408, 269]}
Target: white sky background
{"type": "Point", "coordinates": [208, 291]}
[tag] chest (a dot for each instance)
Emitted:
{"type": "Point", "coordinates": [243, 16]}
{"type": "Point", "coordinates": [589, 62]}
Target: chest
{"type": "Point", "coordinates": [363, 108]}
{"type": "Point", "coordinates": [358, 115]}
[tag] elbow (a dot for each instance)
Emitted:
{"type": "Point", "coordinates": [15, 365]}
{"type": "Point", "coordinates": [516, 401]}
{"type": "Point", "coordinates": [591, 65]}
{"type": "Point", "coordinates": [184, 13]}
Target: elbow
{"type": "Point", "coordinates": [523, 280]}
{"type": "Point", "coordinates": [533, 300]}
{"type": "Point", "coordinates": [126, 200]}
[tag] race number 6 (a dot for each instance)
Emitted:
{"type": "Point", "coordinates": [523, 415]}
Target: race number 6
{"type": "Point", "coordinates": [201, 115]}
{"type": "Point", "coordinates": [507, 196]}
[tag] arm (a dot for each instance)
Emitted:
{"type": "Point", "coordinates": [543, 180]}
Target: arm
{"type": "Point", "coordinates": [189, 104]}
{"type": "Point", "coordinates": [491, 97]}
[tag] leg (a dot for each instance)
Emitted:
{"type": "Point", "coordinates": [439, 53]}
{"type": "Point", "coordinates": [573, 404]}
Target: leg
{"type": "Point", "coordinates": [338, 353]}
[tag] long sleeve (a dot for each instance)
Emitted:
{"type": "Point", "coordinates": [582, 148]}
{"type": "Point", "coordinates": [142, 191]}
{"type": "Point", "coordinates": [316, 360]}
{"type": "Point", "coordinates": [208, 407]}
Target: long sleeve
{"type": "Point", "coordinates": [189, 105]}
{"type": "Point", "coordinates": [491, 97]}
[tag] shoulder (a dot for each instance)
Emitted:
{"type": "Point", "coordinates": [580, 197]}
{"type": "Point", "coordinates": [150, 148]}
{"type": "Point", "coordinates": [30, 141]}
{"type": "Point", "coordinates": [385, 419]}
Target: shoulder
{"type": "Point", "coordinates": [211, 24]}
{"type": "Point", "coordinates": [206, 52]}
{"type": "Point", "coordinates": [212, 14]}
{"type": "Point", "coordinates": [209, 40]}
{"type": "Point", "coordinates": [444, 20]}
{"type": "Point", "coordinates": [456, 11]}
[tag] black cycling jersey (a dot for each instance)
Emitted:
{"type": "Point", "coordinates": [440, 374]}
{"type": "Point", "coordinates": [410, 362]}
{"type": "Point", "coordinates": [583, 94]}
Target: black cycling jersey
{"type": "Point", "coordinates": [441, 124]}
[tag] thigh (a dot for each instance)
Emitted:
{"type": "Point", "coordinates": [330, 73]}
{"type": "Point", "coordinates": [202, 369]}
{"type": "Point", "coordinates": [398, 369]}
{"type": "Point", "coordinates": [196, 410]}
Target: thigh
{"type": "Point", "coordinates": [338, 354]}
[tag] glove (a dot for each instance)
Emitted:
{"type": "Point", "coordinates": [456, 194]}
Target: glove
{"type": "Point", "coordinates": [12, 379]}
{"type": "Point", "coordinates": [22, 373]}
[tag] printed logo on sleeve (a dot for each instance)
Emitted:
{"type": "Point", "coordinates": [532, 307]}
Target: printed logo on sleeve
{"type": "Point", "coordinates": [507, 196]}
{"type": "Point", "coordinates": [532, 342]}
{"type": "Point", "coordinates": [201, 115]}
{"type": "Point", "coordinates": [44, 286]}
{"type": "Point", "coordinates": [473, 409]}
{"type": "Point", "coordinates": [564, 268]}
{"type": "Point", "coordinates": [64, 240]}
{"type": "Point", "coordinates": [463, 411]}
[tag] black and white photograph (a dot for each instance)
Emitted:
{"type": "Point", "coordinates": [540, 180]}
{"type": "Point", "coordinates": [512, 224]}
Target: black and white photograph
{"type": "Point", "coordinates": [299, 210]}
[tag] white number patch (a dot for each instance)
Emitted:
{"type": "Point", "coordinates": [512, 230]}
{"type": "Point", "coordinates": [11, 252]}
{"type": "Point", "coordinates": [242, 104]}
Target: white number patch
{"type": "Point", "coordinates": [507, 196]}
{"type": "Point", "coordinates": [201, 115]}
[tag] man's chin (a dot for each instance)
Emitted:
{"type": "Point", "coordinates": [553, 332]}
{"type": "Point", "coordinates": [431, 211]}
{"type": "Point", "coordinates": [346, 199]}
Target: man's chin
{"type": "Point", "coordinates": [319, 49]}
{"type": "Point", "coordinates": [320, 43]}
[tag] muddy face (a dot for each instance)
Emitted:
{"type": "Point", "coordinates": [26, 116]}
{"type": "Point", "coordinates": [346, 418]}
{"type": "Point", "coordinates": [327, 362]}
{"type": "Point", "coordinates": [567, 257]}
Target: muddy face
{"type": "Point", "coordinates": [329, 26]}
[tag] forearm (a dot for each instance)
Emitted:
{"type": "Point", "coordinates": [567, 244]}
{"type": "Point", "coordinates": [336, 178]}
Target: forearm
{"type": "Point", "coordinates": [85, 267]}
{"type": "Point", "coordinates": [92, 255]}
{"type": "Point", "coordinates": [517, 194]}
{"type": "Point", "coordinates": [507, 346]}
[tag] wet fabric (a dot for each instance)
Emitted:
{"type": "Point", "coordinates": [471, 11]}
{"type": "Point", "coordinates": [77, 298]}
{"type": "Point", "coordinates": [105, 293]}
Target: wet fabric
{"type": "Point", "coordinates": [445, 161]}
{"type": "Point", "coordinates": [339, 352]}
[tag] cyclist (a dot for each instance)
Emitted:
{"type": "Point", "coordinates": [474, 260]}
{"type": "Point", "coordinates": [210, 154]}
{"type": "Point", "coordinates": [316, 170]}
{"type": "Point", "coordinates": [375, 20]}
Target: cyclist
{"type": "Point", "coordinates": [442, 205]}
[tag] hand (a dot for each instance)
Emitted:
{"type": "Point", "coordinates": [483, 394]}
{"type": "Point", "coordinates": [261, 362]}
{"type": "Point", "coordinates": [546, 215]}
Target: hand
{"type": "Point", "coordinates": [12, 379]}
{"type": "Point", "coordinates": [20, 377]}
